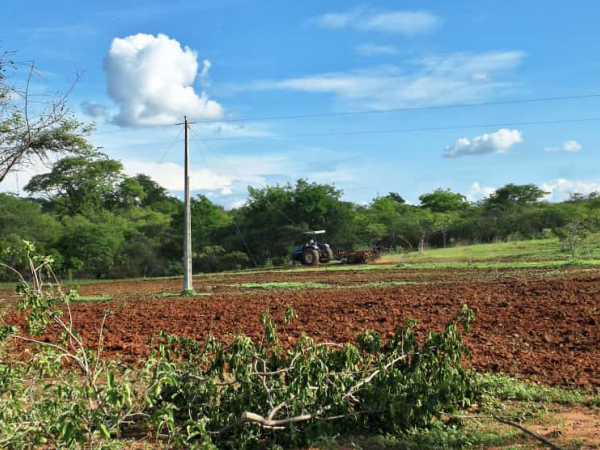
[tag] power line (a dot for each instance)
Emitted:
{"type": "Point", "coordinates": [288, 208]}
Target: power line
{"type": "Point", "coordinates": [233, 170]}
{"type": "Point", "coordinates": [170, 147]}
{"type": "Point", "coordinates": [408, 130]}
{"type": "Point", "coordinates": [378, 111]}
{"type": "Point", "coordinates": [359, 132]}
{"type": "Point", "coordinates": [395, 110]}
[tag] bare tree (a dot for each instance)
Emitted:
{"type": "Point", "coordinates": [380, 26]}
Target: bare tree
{"type": "Point", "coordinates": [32, 126]}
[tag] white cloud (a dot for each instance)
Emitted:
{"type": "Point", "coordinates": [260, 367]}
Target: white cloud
{"type": "Point", "coordinates": [559, 189]}
{"type": "Point", "coordinates": [407, 23]}
{"type": "Point", "coordinates": [337, 20]}
{"type": "Point", "coordinates": [206, 65]}
{"type": "Point", "coordinates": [170, 176]}
{"type": "Point", "coordinates": [569, 146]}
{"type": "Point", "coordinates": [375, 50]}
{"type": "Point", "coordinates": [562, 188]}
{"type": "Point", "coordinates": [498, 142]}
{"type": "Point", "coordinates": [152, 77]}
{"type": "Point", "coordinates": [572, 146]}
{"type": "Point", "coordinates": [228, 129]}
{"type": "Point", "coordinates": [94, 110]}
{"type": "Point", "coordinates": [73, 31]}
{"type": "Point", "coordinates": [477, 192]}
{"type": "Point", "coordinates": [428, 81]}
{"type": "Point", "coordinates": [237, 204]}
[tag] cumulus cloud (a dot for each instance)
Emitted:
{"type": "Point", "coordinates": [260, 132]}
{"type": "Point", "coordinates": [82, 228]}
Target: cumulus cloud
{"type": "Point", "coordinates": [569, 146]}
{"type": "Point", "coordinates": [227, 130]}
{"type": "Point", "coordinates": [237, 204]}
{"type": "Point", "coordinates": [427, 81]}
{"type": "Point", "coordinates": [498, 142]}
{"type": "Point", "coordinates": [151, 78]}
{"type": "Point", "coordinates": [562, 188]}
{"type": "Point", "coordinates": [170, 176]}
{"type": "Point", "coordinates": [375, 50]}
{"type": "Point", "coordinates": [407, 23]}
{"type": "Point", "coordinates": [477, 192]}
{"type": "Point", "coordinates": [94, 110]}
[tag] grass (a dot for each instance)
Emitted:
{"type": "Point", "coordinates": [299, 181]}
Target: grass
{"type": "Point", "coordinates": [182, 294]}
{"type": "Point", "coordinates": [454, 265]}
{"type": "Point", "coordinates": [540, 264]}
{"type": "Point", "coordinates": [531, 250]}
{"type": "Point", "coordinates": [284, 285]}
{"type": "Point", "coordinates": [541, 253]}
{"type": "Point", "coordinates": [300, 285]}
{"type": "Point", "coordinates": [492, 387]}
{"type": "Point", "coordinates": [523, 401]}
{"type": "Point", "coordinates": [92, 298]}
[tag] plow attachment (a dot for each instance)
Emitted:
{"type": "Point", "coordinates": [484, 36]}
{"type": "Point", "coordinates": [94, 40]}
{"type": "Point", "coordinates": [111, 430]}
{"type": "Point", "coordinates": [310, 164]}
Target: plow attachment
{"type": "Point", "coordinates": [360, 257]}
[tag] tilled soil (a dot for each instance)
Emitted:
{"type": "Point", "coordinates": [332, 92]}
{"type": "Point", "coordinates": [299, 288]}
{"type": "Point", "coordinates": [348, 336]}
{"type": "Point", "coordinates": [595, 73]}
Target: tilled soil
{"type": "Point", "coordinates": [539, 327]}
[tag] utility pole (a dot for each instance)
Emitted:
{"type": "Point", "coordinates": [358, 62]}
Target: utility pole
{"type": "Point", "coordinates": [188, 286]}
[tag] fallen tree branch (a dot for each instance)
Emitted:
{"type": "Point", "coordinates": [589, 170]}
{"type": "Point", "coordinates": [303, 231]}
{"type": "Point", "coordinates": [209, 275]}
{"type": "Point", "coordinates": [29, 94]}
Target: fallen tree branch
{"type": "Point", "coordinates": [526, 431]}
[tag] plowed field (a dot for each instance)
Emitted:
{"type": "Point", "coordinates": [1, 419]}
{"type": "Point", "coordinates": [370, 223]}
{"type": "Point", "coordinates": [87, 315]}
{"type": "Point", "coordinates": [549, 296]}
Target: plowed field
{"type": "Point", "coordinates": [538, 324]}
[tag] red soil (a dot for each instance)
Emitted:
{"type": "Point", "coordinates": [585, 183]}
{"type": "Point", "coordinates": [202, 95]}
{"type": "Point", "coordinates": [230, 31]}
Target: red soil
{"type": "Point", "coordinates": [542, 329]}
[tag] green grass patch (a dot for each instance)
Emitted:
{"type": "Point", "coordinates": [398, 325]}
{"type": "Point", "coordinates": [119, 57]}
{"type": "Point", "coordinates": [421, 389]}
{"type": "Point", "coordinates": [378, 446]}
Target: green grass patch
{"type": "Point", "coordinates": [494, 387]}
{"type": "Point", "coordinates": [522, 401]}
{"type": "Point", "coordinates": [91, 298]}
{"type": "Point", "coordinates": [531, 250]}
{"type": "Point", "coordinates": [182, 294]}
{"type": "Point", "coordinates": [284, 285]}
{"type": "Point", "coordinates": [440, 436]}
{"type": "Point", "coordinates": [381, 284]}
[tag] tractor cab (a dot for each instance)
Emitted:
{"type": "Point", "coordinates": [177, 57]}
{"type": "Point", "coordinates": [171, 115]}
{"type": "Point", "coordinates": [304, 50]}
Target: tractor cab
{"type": "Point", "coordinates": [314, 250]}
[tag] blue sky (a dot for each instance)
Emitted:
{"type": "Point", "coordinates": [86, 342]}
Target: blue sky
{"type": "Point", "coordinates": [146, 64]}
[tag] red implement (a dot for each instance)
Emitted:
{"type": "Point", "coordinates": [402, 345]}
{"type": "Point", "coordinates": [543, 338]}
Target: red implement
{"type": "Point", "coordinates": [360, 257]}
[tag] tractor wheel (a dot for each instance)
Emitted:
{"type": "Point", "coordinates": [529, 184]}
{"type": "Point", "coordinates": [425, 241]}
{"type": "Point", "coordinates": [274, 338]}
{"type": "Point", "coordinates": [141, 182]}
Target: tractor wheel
{"type": "Point", "coordinates": [310, 257]}
{"type": "Point", "coordinates": [328, 254]}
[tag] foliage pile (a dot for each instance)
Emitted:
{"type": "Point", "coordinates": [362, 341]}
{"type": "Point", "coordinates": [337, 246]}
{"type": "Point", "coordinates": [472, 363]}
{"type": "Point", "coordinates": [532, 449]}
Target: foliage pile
{"type": "Point", "coordinates": [237, 394]}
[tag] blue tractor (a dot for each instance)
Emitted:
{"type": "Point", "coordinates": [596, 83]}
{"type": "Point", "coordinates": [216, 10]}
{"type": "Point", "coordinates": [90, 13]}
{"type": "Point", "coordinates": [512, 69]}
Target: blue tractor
{"type": "Point", "coordinates": [313, 252]}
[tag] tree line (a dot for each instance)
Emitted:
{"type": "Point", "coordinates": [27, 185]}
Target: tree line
{"type": "Point", "coordinates": [97, 222]}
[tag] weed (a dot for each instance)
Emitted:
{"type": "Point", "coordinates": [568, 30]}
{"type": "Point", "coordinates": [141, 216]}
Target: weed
{"type": "Point", "coordinates": [284, 285]}
{"type": "Point", "coordinates": [91, 298]}
{"type": "Point", "coordinates": [181, 294]}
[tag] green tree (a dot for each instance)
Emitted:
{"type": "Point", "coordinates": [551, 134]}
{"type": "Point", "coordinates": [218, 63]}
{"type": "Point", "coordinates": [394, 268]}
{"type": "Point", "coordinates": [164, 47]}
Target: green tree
{"type": "Point", "coordinates": [275, 217]}
{"type": "Point", "coordinates": [92, 244]}
{"type": "Point", "coordinates": [157, 197]}
{"type": "Point", "coordinates": [31, 132]}
{"type": "Point", "coordinates": [25, 219]}
{"type": "Point", "coordinates": [515, 195]}
{"type": "Point", "coordinates": [443, 201]}
{"type": "Point", "coordinates": [84, 183]}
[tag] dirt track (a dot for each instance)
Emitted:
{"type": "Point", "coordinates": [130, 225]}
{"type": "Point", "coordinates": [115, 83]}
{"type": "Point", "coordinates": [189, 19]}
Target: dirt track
{"type": "Point", "coordinates": [532, 324]}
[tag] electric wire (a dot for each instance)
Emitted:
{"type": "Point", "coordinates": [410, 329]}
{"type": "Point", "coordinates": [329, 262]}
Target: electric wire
{"type": "Point", "coordinates": [396, 110]}
{"type": "Point", "coordinates": [216, 156]}
{"type": "Point", "coordinates": [410, 130]}
{"type": "Point", "coordinates": [239, 232]}
{"type": "Point", "coordinates": [170, 147]}
{"type": "Point", "coordinates": [375, 111]}
{"type": "Point", "coordinates": [390, 131]}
